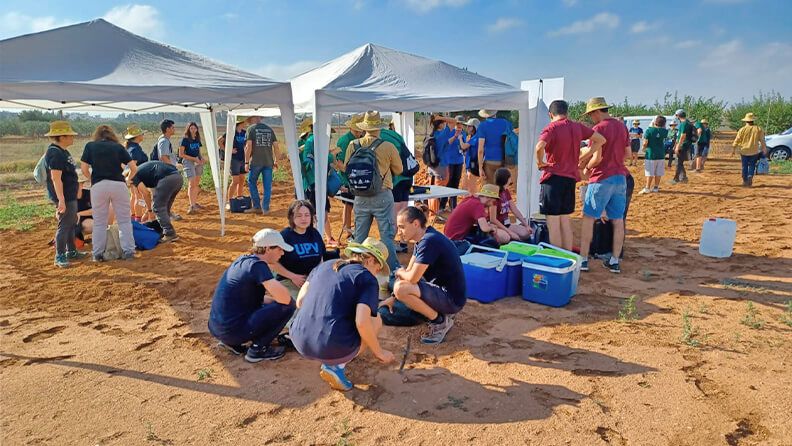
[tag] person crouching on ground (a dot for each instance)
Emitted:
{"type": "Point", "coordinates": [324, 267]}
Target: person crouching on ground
{"type": "Point", "coordinates": [62, 188]}
{"type": "Point", "coordinates": [338, 317]}
{"type": "Point", "coordinates": [166, 182]}
{"type": "Point", "coordinates": [249, 304]}
{"type": "Point", "coordinates": [499, 214]}
{"type": "Point", "coordinates": [750, 140]}
{"type": "Point", "coordinates": [433, 283]}
{"type": "Point", "coordinates": [468, 223]}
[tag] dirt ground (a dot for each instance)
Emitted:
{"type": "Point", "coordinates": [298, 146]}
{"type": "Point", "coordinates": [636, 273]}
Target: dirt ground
{"type": "Point", "coordinates": [119, 353]}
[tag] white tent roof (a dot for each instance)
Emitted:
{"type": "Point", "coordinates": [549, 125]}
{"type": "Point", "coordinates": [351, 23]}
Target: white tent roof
{"type": "Point", "coordinates": [379, 78]}
{"type": "Point", "coordinates": [98, 66]}
{"type": "Point", "coordinates": [373, 77]}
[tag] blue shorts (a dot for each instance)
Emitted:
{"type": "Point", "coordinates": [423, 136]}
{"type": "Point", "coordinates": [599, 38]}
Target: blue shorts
{"type": "Point", "coordinates": [438, 298]}
{"type": "Point", "coordinates": [702, 149]}
{"type": "Point", "coordinates": [609, 196]}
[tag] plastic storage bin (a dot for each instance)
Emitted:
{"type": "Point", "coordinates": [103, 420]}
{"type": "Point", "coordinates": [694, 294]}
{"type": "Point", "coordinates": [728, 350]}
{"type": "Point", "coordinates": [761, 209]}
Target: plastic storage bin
{"type": "Point", "coordinates": [547, 280]}
{"type": "Point", "coordinates": [717, 237]}
{"type": "Point", "coordinates": [485, 273]}
{"type": "Point", "coordinates": [549, 250]}
{"type": "Point", "coordinates": [513, 272]}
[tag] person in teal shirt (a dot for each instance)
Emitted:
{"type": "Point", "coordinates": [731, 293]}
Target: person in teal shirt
{"type": "Point", "coordinates": [307, 161]}
{"type": "Point", "coordinates": [654, 158]}
{"type": "Point", "coordinates": [703, 143]}
{"type": "Point", "coordinates": [342, 144]}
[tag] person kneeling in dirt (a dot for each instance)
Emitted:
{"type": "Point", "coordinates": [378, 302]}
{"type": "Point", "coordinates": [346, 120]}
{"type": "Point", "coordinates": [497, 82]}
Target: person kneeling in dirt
{"type": "Point", "coordinates": [241, 312]}
{"type": "Point", "coordinates": [166, 182]}
{"type": "Point", "coordinates": [338, 317]}
{"type": "Point", "coordinates": [433, 284]}
{"type": "Point", "coordinates": [468, 222]}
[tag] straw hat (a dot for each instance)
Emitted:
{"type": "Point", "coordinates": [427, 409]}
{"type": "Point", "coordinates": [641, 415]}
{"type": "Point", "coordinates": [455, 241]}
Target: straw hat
{"type": "Point", "coordinates": [704, 121]}
{"type": "Point", "coordinates": [595, 104]}
{"type": "Point", "coordinates": [241, 119]}
{"type": "Point", "coordinates": [306, 125]}
{"type": "Point", "coordinates": [749, 117]}
{"type": "Point", "coordinates": [133, 131]}
{"type": "Point", "coordinates": [473, 122]}
{"type": "Point", "coordinates": [81, 177]}
{"type": "Point", "coordinates": [636, 121]}
{"type": "Point", "coordinates": [372, 121]}
{"type": "Point", "coordinates": [487, 113]}
{"type": "Point", "coordinates": [371, 246]}
{"type": "Point", "coordinates": [60, 128]}
{"type": "Point", "coordinates": [489, 191]}
{"type": "Point", "coordinates": [354, 121]}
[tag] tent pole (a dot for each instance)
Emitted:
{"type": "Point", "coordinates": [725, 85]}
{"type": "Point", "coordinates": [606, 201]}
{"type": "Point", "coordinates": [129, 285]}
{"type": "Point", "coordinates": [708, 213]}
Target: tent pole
{"type": "Point", "coordinates": [321, 150]}
{"type": "Point", "coordinates": [210, 134]}
{"type": "Point", "coordinates": [290, 133]}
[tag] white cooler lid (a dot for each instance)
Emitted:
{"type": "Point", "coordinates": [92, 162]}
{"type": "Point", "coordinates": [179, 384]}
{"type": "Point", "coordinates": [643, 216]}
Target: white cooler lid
{"type": "Point", "coordinates": [481, 260]}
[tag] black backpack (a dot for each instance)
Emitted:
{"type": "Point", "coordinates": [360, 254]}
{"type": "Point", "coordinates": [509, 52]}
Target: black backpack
{"type": "Point", "coordinates": [362, 170]}
{"type": "Point", "coordinates": [692, 132]}
{"type": "Point", "coordinates": [154, 155]}
{"type": "Point", "coordinates": [410, 165]}
{"type": "Point", "coordinates": [430, 155]}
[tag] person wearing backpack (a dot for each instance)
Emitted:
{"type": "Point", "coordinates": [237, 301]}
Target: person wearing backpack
{"type": "Point", "coordinates": [491, 150]}
{"type": "Point", "coordinates": [342, 144]}
{"type": "Point", "coordinates": [683, 146]}
{"type": "Point", "coordinates": [370, 165]}
{"type": "Point", "coordinates": [401, 183]}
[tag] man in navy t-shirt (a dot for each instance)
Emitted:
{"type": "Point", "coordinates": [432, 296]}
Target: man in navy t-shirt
{"type": "Point", "coordinates": [433, 284]}
{"type": "Point", "coordinates": [241, 312]}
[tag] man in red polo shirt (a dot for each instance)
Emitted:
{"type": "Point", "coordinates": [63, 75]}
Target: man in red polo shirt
{"type": "Point", "coordinates": [560, 141]}
{"type": "Point", "coordinates": [607, 188]}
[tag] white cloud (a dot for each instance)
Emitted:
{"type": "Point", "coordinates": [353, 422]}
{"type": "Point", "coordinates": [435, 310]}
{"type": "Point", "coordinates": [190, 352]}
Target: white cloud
{"type": "Point", "coordinates": [287, 71]}
{"type": "Point", "coordinates": [13, 23]}
{"type": "Point", "coordinates": [599, 22]}
{"type": "Point", "coordinates": [504, 24]}
{"type": "Point", "coordinates": [687, 44]}
{"type": "Point", "coordinates": [139, 19]}
{"type": "Point", "coordinates": [749, 64]}
{"type": "Point", "coordinates": [424, 6]}
{"type": "Point", "coordinates": [643, 26]}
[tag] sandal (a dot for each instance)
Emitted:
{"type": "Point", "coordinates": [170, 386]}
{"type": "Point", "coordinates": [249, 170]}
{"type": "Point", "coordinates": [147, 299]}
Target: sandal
{"type": "Point", "coordinates": [332, 243]}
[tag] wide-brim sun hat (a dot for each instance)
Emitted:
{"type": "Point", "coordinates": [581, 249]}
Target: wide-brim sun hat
{"type": "Point", "coordinates": [133, 131]}
{"type": "Point", "coordinates": [704, 121]}
{"type": "Point", "coordinates": [352, 124]}
{"type": "Point", "coordinates": [489, 191]}
{"type": "Point", "coordinates": [266, 238]}
{"type": "Point", "coordinates": [372, 121]}
{"type": "Point", "coordinates": [306, 125]}
{"type": "Point", "coordinates": [60, 128]}
{"type": "Point", "coordinates": [484, 113]}
{"type": "Point", "coordinates": [673, 123]}
{"type": "Point", "coordinates": [241, 119]}
{"type": "Point", "coordinates": [473, 122]}
{"type": "Point", "coordinates": [372, 246]}
{"type": "Point", "coordinates": [596, 103]}
{"type": "Point", "coordinates": [749, 117]}
{"type": "Point", "coordinates": [635, 121]}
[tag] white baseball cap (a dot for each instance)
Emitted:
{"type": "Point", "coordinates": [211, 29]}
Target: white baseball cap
{"type": "Point", "coordinates": [270, 237]}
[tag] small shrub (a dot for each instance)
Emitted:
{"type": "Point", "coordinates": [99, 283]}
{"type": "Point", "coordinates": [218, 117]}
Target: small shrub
{"type": "Point", "coordinates": [689, 332]}
{"type": "Point", "coordinates": [204, 374]}
{"type": "Point", "coordinates": [750, 319]}
{"type": "Point", "coordinates": [628, 312]}
{"type": "Point", "coordinates": [786, 318]}
{"type": "Point", "coordinates": [23, 216]}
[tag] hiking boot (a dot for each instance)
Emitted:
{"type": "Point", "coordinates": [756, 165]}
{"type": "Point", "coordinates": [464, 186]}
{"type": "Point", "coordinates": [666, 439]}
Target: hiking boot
{"type": "Point", "coordinates": [252, 211]}
{"type": "Point", "coordinates": [257, 353]}
{"type": "Point", "coordinates": [644, 191]}
{"type": "Point", "coordinates": [334, 375]}
{"type": "Point", "coordinates": [612, 267]}
{"type": "Point", "coordinates": [673, 182]}
{"type": "Point", "coordinates": [169, 238]}
{"type": "Point", "coordinates": [437, 332]}
{"type": "Point", "coordinates": [61, 261]}
{"type": "Point", "coordinates": [584, 265]}
{"type": "Point", "coordinates": [76, 254]}
{"type": "Point", "coordinates": [128, 255]}
{"type": "Point", "coordinates": [750, 181]}
{"type": "Point", "coordinates": [233, 349]}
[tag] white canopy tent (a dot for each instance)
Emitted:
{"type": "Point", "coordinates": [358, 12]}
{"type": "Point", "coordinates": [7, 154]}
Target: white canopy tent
{"type": "Point", "coordinates": [97, 66]}
{"type": "Point", "coordinates": [376, 78]}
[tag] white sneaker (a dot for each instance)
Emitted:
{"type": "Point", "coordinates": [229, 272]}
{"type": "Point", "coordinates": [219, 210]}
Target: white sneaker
{"type": "Point", "coordinates": [655, 189]}
{"type": "Point", "coordinates": [644, 191]}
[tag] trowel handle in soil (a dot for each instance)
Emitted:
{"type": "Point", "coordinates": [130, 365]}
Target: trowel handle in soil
{"type": "Point", "coordinates": [406, 353]}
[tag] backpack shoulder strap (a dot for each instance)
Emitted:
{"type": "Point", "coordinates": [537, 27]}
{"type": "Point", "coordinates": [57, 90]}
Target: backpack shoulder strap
{"type": "Point", "coordinates": [376, 143]}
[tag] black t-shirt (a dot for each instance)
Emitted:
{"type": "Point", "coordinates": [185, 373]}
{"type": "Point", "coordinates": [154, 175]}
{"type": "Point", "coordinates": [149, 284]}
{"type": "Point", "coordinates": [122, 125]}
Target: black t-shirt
{"type": "Point", "coordinates": [60, 159]}
{"type": "Point", "coordinates": [83, 204]}
{"type": "Point", "coordinates": [445, 267]}
{"type": "Point", "coordinates": [151, 172]}
{"type": "Point", "coordinates": [105, 158]}
{"type": "Point", "coordinates": [309, 249]}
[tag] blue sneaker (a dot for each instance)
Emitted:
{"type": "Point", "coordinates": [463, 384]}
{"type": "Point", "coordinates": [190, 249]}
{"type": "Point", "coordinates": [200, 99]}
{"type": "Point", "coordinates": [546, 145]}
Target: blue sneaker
{"type": "Point", "coordinates": [584, 265]}
{"type": "Point", "coordinates": [334, 375]}
{"type": "Point", "coordinates": [61, 261]}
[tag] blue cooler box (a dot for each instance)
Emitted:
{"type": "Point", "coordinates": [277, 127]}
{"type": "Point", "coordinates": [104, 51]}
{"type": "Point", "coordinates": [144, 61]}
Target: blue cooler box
{"type": "Point", "coordinates": [514, 263]}
{"type": "Point", "coordinates": [485, 274]}
{"type": "Point", "coordinates": [547, 280]}
{"type": "Point", "coordinates": [554, 251]}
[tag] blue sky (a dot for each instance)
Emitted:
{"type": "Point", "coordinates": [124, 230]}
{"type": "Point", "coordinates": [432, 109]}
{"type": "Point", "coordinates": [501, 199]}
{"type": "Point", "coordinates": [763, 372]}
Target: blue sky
{"type": "Point", "coordinates": [729, 49]}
